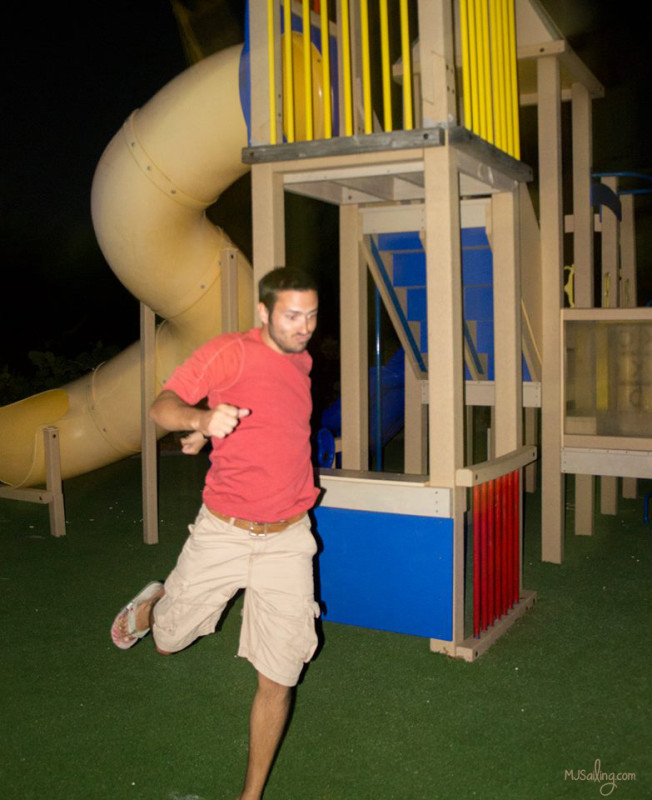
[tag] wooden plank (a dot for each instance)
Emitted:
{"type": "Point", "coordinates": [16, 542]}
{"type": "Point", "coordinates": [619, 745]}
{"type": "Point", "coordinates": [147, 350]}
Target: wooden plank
{"type": "Point", "coordinates": [507, 322]}
{"type": "Point", "coordinates": [41, 496]}
{"type": "Point", "coordinates": [149, 465]}
{"type": "Point", "coordinates": [437, 62]}
{"type": "Point", "coordinates": [583, 255]}
{"type": "Point", "coordinates": [497, 467]}
{"type": "Point", "coordinates": [416, 424]}
{"type": "Point", "coordinates": [53, 481]}
{"type": "Point", "coordinates": [354, 360]}
{"type": "Point", "coordinates": [445, 323]}
{"type": "Point", "coordinates": [551, 221]}
{"type": "Point", "coordinates": [268, 222]}
{"type": "Point", "coordinates": [628, 277]}
{"type": "Point", "coordinates": [229, 289]}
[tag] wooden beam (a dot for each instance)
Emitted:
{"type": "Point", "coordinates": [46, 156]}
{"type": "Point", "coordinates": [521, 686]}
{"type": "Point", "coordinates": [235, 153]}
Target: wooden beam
{"type": "Point", "coordinates": [507, 322]}
{"type": "Point", "coordinates": [149, 447]}
{"type": "Point", "coordinates": [354, 359]}
{"type": "Point", "coordinates": [551, 221]}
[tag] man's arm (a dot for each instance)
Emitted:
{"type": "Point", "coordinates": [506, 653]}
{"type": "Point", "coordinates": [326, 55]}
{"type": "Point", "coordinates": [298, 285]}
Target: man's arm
{"type": "Point", "coordinates": [169, 411]}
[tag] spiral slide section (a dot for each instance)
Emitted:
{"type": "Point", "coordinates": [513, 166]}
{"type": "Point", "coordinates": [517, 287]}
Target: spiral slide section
{"type": "Point", "coordinates": [170, 161]}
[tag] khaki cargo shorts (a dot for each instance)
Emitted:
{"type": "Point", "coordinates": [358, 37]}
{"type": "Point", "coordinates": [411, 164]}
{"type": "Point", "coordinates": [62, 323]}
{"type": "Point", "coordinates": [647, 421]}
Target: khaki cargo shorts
{"type": "Point", "coordinates": [278, 620]}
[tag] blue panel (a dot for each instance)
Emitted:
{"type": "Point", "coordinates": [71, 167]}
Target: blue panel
{"type": "Point", "coordinates": [416, 304]}
{"type": "Point", "coordinates": [478, 302]}
{"type": "Point", "coordinates": [485, 344]}
{"type": "Point", "coordinates": [526, 371]}
{"type": "Point", "coordinates": [477, 266]}
{"type": "Point", "coordinates": [386, 571]}
{"type": "Point", "coordinates": [423, 338]}
{"type": "Point", "coordinates": [474, 237]}
{"type": "Point", "coordinates": [410, 268]}
{"type": "Point", "coordinates": [399, 241]}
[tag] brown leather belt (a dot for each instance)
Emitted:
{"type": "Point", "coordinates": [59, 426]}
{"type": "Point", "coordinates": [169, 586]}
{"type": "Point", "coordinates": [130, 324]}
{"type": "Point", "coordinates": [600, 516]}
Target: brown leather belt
{"type": "Point", "coordinates": [259, 527]}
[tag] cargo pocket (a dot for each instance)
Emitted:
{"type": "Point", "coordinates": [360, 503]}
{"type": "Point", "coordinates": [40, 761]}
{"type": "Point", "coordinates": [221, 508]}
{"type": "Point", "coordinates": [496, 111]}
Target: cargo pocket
{"type": "Point", "coordinates": [312, 613]}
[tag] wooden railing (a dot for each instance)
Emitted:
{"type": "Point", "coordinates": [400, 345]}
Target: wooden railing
{"type": "Point", "coordinates": [496, 519]}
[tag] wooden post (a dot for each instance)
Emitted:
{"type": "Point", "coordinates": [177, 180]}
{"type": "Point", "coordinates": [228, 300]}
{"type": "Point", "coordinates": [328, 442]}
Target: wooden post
{"type": "Point", "coordinates": [268, 221]}
{"type": "Point", "coordinates": [149, 466]}
{"type": "Point", "coordinates": [628, 287]}
{"type": "Point", "coordinates": [262, 127]}
{"type": "Point", "coordinates": [53, 481]}
{"type": "Point", "coordinates": [610, 299]}
{"type": "Point", "coordinates": [445, 348]}
{"type": "Point", "coordinates": [507, 323]}
{"type": "Point", "coordinates": [584, 261]}
{"type": "Point", "coordinates": [416, 424]}
{"type": "Point", "coordinates": [229, 290]}
{"type": "Point", "coordinates": [354, 358]}
{"type": "Point", "coordinates": [437, 62]}
{"type": "Point", "coordinates": [52, 495]}
{"type": "Point", "coordinates": [551, 221]}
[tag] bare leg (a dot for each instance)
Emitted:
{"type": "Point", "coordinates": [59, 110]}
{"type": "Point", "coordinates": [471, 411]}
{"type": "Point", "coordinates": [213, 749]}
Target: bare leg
{"type": "Point", "coordinates": [269, 714]}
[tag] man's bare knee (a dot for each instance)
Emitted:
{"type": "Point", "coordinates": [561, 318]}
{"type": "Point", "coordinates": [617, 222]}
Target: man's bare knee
{"type": "Point", "coordinates": [272, 689]}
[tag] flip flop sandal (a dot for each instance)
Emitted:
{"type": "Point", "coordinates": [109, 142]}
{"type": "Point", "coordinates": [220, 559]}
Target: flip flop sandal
{"type": "Point", "coordinates": [124, 638]}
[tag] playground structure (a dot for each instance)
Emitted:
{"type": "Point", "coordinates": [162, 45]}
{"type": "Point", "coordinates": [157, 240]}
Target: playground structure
{"type": "Point", "coordinates": [435, 164]}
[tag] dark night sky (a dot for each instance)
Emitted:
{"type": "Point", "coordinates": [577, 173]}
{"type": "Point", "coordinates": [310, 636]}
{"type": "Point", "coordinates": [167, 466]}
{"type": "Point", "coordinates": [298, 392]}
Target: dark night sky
{"type": "Point", "coordinates": [73, 78]}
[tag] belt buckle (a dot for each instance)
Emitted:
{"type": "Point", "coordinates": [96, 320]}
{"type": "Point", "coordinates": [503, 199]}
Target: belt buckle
{"type": "Point", "coordinates": [254, 533]}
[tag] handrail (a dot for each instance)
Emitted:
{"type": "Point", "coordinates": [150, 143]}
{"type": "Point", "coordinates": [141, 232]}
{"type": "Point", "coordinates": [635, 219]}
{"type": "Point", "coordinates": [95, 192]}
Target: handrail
{"type": "Point", "coordinates": [496, 468]}
{"type": "Point", "coordinates": [627, 174]}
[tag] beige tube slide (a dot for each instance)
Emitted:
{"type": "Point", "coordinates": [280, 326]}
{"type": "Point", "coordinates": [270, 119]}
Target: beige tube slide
{"type": "Point", "coordinates": [170, 161]}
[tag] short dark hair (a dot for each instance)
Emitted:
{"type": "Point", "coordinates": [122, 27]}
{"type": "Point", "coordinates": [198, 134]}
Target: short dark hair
{"type": "Point", "coordinates": [283, 279]}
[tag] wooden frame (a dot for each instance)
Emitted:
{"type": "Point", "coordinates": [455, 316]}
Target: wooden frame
{"type": "Point", "coordinates": [52, 495]}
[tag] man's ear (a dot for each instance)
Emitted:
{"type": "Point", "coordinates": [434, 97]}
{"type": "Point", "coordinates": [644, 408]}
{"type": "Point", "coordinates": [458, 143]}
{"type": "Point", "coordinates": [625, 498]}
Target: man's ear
{"type": "Point", "coordinates": [263, 313]}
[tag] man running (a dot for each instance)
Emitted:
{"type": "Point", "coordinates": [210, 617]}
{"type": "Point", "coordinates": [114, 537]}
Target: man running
{"type": "Point", "coordinates": [252, 531]}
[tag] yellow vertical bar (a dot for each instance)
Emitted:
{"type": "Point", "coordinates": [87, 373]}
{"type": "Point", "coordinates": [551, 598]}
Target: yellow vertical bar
{"type": "Point", "coordinates": [385, 67]}
{"type": "Point", "coordinates": [497, 74]}
{"type": "Point", "coordinates": [366, 69]}
{"type": "Point", "coordinates": [482, 97]}
{"type": "Point", "coordinates": [407, 68]}
{"type": "Point", "coordinates": [487, 72]}
{"type": "Point", "coordinates": [346, 68]}
{"type": "Point", "coordinates": [466, 63]}
{"type": "Point", "coordinates": [271, 71]}
{"type": "Point", "coordinates": [326, 70]}
{"type": "Point", "coordinates": [307, 71]}
{"type": "Point", "coordinates": [288, 88]}
{"type": "Point", "coordinates": [503, 73]}
{"type": "Point", "coordinates": [516, 136]}
{"type": "Point", "coordinates": [508, 83]}
{"type": "Point", "coordinates": [473, 71]}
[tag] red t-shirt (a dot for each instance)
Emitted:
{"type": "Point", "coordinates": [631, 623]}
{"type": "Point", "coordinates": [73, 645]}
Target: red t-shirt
{"type": "Point", "coordinates": [262, 471]}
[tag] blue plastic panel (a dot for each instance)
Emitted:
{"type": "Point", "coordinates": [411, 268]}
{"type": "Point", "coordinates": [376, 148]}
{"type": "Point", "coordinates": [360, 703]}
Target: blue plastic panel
{"type": "Point", "coordinates": [474, 237]}
{"type": "Point", "coordinates": [479, 302]}
{"type": "Point", "coordinates": [388, 572]}
{"type": "Point", "coordinates": [416, 304]}
{"type": "Point", "coordinates": [477, 266]}
{"type": "Point", "coordinates": [410, 268]}
{"type": "Point", "coordinates": [399, 241]}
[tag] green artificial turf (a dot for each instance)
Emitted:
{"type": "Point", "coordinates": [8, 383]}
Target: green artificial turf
{"type": "Point", "coordinates": [376, 715]}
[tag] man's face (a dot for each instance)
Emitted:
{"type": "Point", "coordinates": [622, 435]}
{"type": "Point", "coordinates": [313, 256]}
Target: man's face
{"type": "Point", "coordinates": [292, 321]}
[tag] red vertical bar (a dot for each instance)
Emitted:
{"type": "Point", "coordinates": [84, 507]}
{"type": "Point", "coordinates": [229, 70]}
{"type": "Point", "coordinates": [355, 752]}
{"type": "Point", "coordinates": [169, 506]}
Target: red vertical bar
{"type": "Point", "coordinates": [498, 549]}
{"type": "Point", "coordinates": [490, 552]}
{"type": "Point", "coordinates": [476, 561]}
{"type": "Point", "coordinates": [509, 519]}
{"type": "Point", "coordinates": [517, 536]}
{"type": "Point", "coordinates": [483, 557]}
